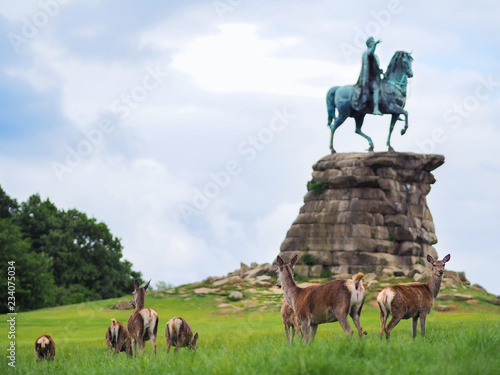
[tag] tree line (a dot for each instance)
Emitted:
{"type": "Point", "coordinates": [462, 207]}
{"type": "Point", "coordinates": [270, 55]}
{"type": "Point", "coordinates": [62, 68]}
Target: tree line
{"type": "Point", "coordinates": [61, 257]}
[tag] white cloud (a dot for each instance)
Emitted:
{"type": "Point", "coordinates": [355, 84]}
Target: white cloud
{"type": "Point", "coordinates": [89, 89]}
{"type": "Point", "coordinates": [237, 60]}
{"type": "Point", "coordinates": [90, 31]}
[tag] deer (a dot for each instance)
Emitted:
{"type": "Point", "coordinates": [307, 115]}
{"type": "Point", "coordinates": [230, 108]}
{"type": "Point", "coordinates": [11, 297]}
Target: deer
{"type": "Point", "coordinates": [143, 323]}
{"type": "Point", "coordinates": [326, 303]}
{"type": "Point", "coordinates": [290, 321]}
{"type": "Point", "coordinates": [411, 300]}
{"type": "Point", "coordinates": [118, 338]}
{"type": "Point", "coordinates": [45, 348]}
{"type": "Point", "coordinates": [180, 334]}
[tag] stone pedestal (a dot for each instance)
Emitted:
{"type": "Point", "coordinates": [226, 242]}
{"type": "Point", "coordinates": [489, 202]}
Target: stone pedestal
{"type": "Point", "coordinates": [364, 212]}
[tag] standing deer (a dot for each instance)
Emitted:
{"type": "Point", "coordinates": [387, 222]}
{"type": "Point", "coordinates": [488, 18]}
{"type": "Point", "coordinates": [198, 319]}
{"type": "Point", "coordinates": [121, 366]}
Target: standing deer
{"type": "Point", "coordinates": [410, 301]}
{"type": "Point", "coordinates": [143, 323]}
{"type": "Point", "coordinates": [290, 321]}
{"type": "Point", "coordinates": [325, 303]}
{"type": "Point", "coordinates": [180, 334]}
{"type": "Point", "coordinates": [118, 338]}
{"type": "Point", "coordinates": [45, 348]}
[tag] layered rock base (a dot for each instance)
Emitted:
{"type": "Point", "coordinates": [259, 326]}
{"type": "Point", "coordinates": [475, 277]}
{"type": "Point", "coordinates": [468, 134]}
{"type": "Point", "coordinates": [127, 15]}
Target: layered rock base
{"type": "Point", "coordinates": [364, 212]}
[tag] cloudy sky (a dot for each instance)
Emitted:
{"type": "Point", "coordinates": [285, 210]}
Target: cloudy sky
{"type": "Point", "coordinates": [190, 128]}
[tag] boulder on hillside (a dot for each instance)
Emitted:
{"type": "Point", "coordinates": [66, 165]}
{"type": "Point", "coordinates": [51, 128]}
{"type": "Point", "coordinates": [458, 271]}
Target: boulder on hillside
{"type": "Point", "coordinates": [122, 305]}
{"type": "Point", "coordinates": [228, 280]}
{"type": "Point", "coordinates": [462, 297]}
{"type": "Point", "coordinates": [235, 296]}
{"type": "Point", "coordinates": [257, 271]}
{"type": "Point", "coordinates": [417, 268]}
{"type": "Point", "coordinates": [205, 290]}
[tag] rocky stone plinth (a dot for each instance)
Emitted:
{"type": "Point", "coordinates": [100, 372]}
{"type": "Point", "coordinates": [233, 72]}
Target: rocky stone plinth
{"type": "Point", "coordinates": [365, 212]}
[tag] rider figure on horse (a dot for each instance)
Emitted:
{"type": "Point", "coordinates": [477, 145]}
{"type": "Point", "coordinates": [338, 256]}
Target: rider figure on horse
{"type": "Point", "coordinates": [368, 85]}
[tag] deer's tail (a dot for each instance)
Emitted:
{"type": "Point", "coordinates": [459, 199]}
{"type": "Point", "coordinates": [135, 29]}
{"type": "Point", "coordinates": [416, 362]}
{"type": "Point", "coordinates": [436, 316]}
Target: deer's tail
{"type": "Point", "coordinates": [357, 278]}
{"type": "Point", "coordinates": [384, 303]}
{"type": "Point", "coordinates": [114, 329]}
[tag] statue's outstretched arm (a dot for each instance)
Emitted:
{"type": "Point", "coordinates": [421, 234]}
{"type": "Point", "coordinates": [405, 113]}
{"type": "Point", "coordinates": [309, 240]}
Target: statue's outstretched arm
{"type": "Point", "coordinates": [372, 48]}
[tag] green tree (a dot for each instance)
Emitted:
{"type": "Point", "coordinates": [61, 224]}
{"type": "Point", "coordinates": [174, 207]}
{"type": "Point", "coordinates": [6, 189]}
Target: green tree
{"type": "Point", "coordinates": [8, 206]}
{"type": "Point", "coordinates": [34, 282]}
{"type": "Point", "coordinates": [81, 256]}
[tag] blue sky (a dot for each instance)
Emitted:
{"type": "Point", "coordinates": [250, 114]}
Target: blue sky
{"type": "Point", "coordinates": [190, 128]}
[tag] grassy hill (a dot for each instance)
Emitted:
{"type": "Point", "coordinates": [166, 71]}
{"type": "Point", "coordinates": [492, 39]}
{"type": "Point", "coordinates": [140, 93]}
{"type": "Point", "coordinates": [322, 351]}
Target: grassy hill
{"type": "Point", "coordinates": [246, 336]}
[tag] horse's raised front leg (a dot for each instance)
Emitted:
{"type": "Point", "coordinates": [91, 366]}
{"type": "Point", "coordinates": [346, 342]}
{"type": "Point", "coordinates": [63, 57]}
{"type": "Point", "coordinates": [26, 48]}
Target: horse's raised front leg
{"type": "Point", "coordinates": [359, 123]}
{"type": "Point", "coordinates": [403, 131]}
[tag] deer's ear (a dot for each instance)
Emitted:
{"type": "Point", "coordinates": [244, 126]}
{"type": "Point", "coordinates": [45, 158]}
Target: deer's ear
{"type": "Point", "coordinates": [446, 258]}
{"type": "Point", "coordinates": [294, 260]}
{"type": "Point", "coordinates": [280, 261]}
{"type": "Point", "coordinates": [430, 259]}
{"type": "Point", "coordinates": [146, 286]}
{"type": "Point", "coordinates": [136, 284]}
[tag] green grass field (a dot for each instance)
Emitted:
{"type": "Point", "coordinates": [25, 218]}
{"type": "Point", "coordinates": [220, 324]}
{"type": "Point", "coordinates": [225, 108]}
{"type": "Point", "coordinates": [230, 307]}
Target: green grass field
{"type": "Point", "coordinates": [252, 341]}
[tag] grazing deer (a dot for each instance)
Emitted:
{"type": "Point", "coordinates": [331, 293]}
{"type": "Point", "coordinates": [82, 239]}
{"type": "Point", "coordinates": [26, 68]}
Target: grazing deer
{"type": "Point", "coordinates": [410, 301]}
{"type": "Point", "coordinates": [45, 348]}
{"type": "Point", "coordinates": [118, 338]}
{"type": "Point", "coordinates": [324, 303]}
{"type": "Point", "coordinates": [143, 323]}
{"type": "Point", "coordinates": [180, 334]}
{"type": "Point", "coordinates": [290, 321]}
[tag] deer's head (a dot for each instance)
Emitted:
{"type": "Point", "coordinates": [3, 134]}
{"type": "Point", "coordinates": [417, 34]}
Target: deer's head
{"type": "Point", "coordinates": [284, 270]}
{"type": "Point", "coordinates": [139, 294]}
{"type": "Point", "coordinates": [438, 265]}
{"type": "Point", "coordinates": [192, 344]}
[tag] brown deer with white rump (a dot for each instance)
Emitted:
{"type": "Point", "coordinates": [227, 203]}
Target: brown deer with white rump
{"type": "Point", "coordinates": [325, 303]}
{"type": "Point", "coordinates": [143, 323]}
{"type": "Point", "coordinates": [410, 301]}
{"type": "Point", "coordinates": [180, 334]}
{"type": "Point", "coordinates": [118, 338]}
{"type": "Point", "coordinates": [290, 321]}
{"type": "Point", "coordinates": [45, 348]}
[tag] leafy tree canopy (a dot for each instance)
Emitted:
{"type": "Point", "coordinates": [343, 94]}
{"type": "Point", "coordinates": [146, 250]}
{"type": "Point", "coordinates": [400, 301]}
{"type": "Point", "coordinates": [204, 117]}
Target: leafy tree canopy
{"type": "Point", "coordinates": [60, 256]}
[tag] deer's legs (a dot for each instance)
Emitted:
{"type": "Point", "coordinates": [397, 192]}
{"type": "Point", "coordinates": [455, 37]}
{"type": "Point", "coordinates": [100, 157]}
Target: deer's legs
{"type": "Point", "coordinates": [394, 321]}
{"type": "Point", "coordinates": [134, 347]}
{"type": "Point", "coordinates": [141, 346]}
{"type": "Point", "coordinates": [314, 329]}
{"type": "Point", "coordinates": [422, 324]}
{"type": "Point", "coordinates": [305, 331]}
{"type": "Point", "coordinates": [383, 320]}
{"type": "Point", "coordinates": [287, 331]}
{"type": "Point", "coordinates": [345, 325]}
{"type": "Point", "coordinates": [356, 319]}
{"type": "Point", "coordinates": [153, 342]}
{"type": "Point", "coordinates": [414, 326]}
{"type": "Point", "coordinates": [296, 327]}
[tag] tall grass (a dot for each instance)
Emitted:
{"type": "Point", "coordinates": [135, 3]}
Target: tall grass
{"type": "Point", "coordinates": [254, 343]}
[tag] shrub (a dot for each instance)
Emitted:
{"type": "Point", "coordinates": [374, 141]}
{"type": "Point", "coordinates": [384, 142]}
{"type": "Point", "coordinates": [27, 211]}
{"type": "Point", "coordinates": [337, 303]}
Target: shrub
{"type": "Point", "coordinates": [316, 186]}
{"type": "Point", "coordinates": [308, 259]}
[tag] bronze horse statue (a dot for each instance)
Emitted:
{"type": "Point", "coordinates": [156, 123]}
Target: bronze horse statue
{"type": "Point", "coordinates": [392, 99]}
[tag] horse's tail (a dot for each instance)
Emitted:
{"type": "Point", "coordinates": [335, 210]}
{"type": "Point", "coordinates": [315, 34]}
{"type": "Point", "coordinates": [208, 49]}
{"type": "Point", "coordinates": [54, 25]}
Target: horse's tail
{"type": "Point", "coordinates": [330, 104]}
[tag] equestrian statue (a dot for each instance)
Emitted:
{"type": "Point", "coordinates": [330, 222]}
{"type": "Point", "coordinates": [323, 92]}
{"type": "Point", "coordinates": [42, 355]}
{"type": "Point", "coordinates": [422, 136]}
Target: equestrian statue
{"type": "Point", "coordinates": [372, 94]}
